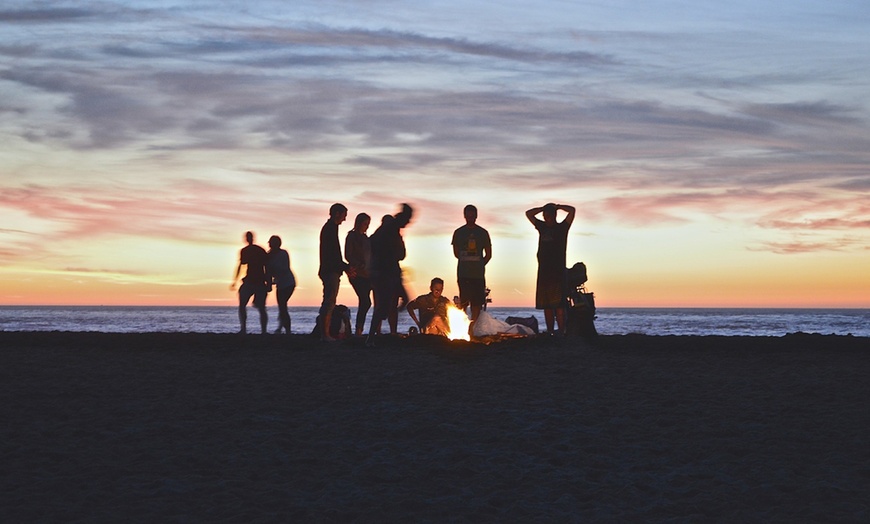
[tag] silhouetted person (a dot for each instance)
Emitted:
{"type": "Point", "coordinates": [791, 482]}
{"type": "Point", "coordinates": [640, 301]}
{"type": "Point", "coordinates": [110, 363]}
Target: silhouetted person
{"type": "Point", "coordinates": [332, 265]}
{"type": "Point", "coordinates": [278, 272]}
{"type": "Point", "coordinates": [388, 248]}
{"type": "Point", "coordinates": [358, 252]}
{"type": "Point", "coordinates": [433, 310]}
{"type": "Point", "coordinates": [552, 247]}
{"type": "Point", "coordinates": [254, 283]}
{"type": "Point", "coordinates": [473, 250]}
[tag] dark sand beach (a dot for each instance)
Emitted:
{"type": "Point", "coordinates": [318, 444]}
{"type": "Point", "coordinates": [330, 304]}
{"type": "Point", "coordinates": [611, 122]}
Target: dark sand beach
{"type": "Point", "coordinates": [202, 428]}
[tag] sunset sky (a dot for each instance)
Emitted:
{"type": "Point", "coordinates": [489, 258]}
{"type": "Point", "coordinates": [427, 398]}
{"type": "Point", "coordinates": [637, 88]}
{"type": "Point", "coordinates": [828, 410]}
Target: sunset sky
{"type": "Point", "coordinates": [718, 153]}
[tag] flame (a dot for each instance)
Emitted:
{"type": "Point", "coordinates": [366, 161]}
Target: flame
{"type": "Point", "coordinates": [458, 323]}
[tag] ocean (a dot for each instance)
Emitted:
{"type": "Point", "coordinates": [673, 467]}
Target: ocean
{"type": "Point", "coordinates": [610, 321]}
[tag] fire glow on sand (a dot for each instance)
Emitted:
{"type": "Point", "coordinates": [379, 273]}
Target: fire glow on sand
{"type": "Point", "coordinates": [458, 323]}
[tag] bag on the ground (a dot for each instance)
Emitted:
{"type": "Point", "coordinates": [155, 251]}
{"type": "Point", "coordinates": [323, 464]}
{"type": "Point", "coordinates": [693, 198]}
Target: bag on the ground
{"type": "Point", "coordinates": [530, 322]}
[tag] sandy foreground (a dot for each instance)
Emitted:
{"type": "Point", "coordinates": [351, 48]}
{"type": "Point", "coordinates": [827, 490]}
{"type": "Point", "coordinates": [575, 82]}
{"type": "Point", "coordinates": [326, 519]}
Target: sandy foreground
{"type": "Point", "coordinates": [198, 427]}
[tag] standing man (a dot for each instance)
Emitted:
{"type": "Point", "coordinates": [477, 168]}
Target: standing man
{"type": "Point", "coordinates": [388, 250]}
{"type": "Point", "coordinates": [254, 283]}
{"type": "Point", "coordinates": [473, 250]}
{"type": "Point", "coordinates": [332, 265]}
{"type": "Point", "coordinates": [552, 247]}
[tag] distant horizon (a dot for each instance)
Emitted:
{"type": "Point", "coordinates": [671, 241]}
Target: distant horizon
{"type": "Point", "coordinates": [353, 306]}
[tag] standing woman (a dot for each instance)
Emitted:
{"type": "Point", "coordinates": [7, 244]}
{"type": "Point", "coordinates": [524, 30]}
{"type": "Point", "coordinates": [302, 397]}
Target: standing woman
{"type": "Point", "coordinates": [552, 246]}
{"type": "Point", "coordinates": [358, 253]}
{"type": "Point", "coordinates": [281, 276]}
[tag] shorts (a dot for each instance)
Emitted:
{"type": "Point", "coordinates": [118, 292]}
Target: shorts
{"type": "Point", "coordinates": [331, 282]}
{"type": "Point", "coordinates": [472, 291]}
{"type": "Point", "coordinates": [550, 290]}
{"type": "Point", "coordinates": [259, 292]}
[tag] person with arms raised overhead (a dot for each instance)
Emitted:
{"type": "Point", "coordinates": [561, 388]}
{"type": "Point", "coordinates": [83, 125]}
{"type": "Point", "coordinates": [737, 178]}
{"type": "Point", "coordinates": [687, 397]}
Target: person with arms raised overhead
{"type": "Point", "coordinates": [552, 246]}
{"type": "Point", "coordinates": [254, 283]}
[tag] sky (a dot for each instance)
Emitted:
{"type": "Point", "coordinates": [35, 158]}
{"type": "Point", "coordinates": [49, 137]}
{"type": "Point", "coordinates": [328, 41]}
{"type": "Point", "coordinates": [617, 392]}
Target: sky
{"type": "Point", "coordinates": [717, 153]}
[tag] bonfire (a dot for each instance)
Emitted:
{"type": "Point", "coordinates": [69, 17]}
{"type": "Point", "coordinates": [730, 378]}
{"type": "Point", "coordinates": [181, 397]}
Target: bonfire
{"type": "Point", "coordinates": [458, 323]}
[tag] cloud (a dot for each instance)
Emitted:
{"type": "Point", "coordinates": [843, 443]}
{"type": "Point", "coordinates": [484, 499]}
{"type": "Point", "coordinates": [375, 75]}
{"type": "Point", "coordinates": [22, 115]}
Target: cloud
{"type": "Point", "coordinates": [361, 39]}
{"type": "Point", "coordinates": [820, 224]}
{"type": "Point", "coordinates": [802, 247]}
{"type": "Point", "coordinates": [35, 16]}
{"type": "Point", "coordinates": [804, 113]}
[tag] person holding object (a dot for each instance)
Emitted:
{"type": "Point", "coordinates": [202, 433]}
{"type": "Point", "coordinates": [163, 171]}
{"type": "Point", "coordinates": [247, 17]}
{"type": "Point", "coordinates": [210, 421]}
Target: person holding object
{"type": "Point", "coordinates": [552, 247]}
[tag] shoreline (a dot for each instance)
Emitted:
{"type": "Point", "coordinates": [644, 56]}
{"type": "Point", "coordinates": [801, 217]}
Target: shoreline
{"type": "Point", "coordinates": [189, 426]}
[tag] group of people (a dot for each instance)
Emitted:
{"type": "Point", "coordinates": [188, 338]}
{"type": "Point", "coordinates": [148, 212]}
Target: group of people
{"type": "Point", "coordinates": [372, 264]}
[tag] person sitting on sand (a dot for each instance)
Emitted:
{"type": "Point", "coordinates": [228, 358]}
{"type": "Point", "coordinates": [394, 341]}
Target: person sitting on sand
{"type": "Point", "coordinates": [254, 283]}
{"type": "Point", "coordinates": [433, 310]}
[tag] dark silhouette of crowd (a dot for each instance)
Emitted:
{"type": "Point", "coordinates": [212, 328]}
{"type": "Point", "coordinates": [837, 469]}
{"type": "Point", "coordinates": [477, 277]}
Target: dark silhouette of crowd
{"type": "Point", "coordinates": [373, 266]}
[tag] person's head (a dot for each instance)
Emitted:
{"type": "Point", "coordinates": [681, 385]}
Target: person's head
{"type": "Point", "coordinates": [249, 237]}
{"type": "Point", "coordinates": [274, 242]}
{"type": "Point", "coordinates": [550, 213]}
{"type": "Point", "coordinates": [436, 287]}
{"type": "Point", "coordinates": [337, 213]}
{"type": "Point", "coordinates": [361, 224]}
{"type": "Point", "coordinates": [470, 214]}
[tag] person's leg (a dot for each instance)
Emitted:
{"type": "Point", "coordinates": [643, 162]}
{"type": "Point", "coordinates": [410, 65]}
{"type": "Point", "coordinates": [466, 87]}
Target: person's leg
{"type": "Point", "coordinates": [549, 318]}
{"type": "Point", "coordinates": [396, 290]}
{"type": "Point", "coordinates": [380, 290]}
{"type": "Point", "coordinates": [330, 293]}
{"type": "Point", "coordinates": [560, 319]}
{"type": "Point", "coordinates": [260, 304]}
{"type": "Point", "coordinates": [477, 295]}
{"type": "Point", "coordinates": [363, 288]}
{"type": "Point", "coordinates": [244, 296]}
{"type": "Point", "coordinates": [283, 295]}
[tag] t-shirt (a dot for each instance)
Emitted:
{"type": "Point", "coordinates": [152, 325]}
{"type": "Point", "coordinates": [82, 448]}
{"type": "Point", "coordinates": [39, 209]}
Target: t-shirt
{"type": "Point", "coordinates": [552, 244]}
{"type": "Point", "coordinates": [387, 249]}
{"type": "Point", "coordinates": [279, 269]}
{"type": "Point", "coordinates": [471, 241]}
{"type": "Point", "coordinates": [358, 252]}
{"type": "Point", "coordinates": [430, 307]}
{"type": "Point", "coordinates": [330, 250]}
{"type": "Point", "coordinates": [255, 258]}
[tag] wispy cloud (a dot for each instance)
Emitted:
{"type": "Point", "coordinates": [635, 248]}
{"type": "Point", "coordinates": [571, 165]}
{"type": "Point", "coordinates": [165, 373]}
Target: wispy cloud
{"type": "Point", "coordinates": [182, 121]}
